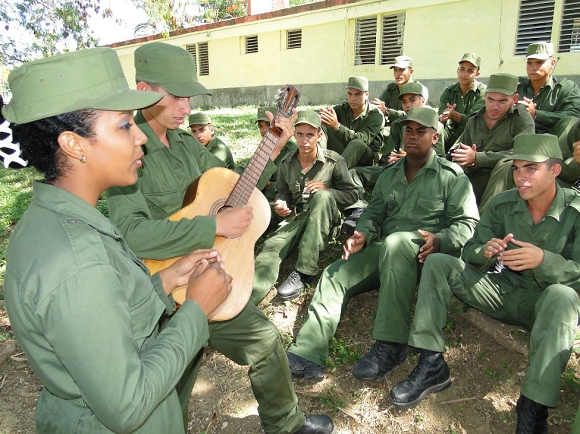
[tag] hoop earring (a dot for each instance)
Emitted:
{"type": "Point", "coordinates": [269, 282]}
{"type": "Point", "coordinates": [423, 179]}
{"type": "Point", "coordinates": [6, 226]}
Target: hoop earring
{"type": "Point", "coordinates": [83, 159]}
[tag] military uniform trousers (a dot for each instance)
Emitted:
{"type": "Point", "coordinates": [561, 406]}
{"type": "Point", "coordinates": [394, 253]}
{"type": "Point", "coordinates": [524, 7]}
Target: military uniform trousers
{"type": "Point", "coordinates": [364, 177]}
{"type": "Point", "coordinates": [550, 314]}
{"type": "Point", "coordinates": [309, 230]}
{"type": "Point", "coordinates": [392, 266]}
{"type": "Point", "coordinates": [250, 339]}
{"type": "Point", "coordinates": [356, 152]}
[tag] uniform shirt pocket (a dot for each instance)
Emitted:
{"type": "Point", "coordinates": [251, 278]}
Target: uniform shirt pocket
{"type": "Point", "coordinates": [165, 203]}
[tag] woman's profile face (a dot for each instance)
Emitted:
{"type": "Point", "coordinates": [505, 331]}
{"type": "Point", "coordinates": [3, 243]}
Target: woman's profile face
{"type": "Point", "coordinates": [114, 154]}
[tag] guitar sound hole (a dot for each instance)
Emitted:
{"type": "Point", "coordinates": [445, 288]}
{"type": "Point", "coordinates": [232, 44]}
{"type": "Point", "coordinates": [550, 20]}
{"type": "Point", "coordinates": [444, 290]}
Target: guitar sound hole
{"type": "Point", "coordinates": [216, 206]}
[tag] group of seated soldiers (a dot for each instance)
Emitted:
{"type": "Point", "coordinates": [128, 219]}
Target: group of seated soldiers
{"type": "Point", "coordinates": [431, 174]}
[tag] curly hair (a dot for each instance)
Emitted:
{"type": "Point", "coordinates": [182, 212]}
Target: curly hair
{"type": "Point", "coordinates": [39, 139]}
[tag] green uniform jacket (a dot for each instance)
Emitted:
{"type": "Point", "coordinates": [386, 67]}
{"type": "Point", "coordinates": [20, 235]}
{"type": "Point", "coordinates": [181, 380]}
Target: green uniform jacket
{"type": "Point", "coordinates": [557, 233]}
{"type": "Point", "coordinates": [395, 139]}
{"type": "Point", "coordinates": [497, 143]}
{"type": "Point", "coordinates": [270, 189]}
{"type": "Point", "coordinates": [366, 127]}
{"type": "Point", "coordinates": [570, 169]}
{"type": "Point", "coordinates": [221, 150]}
{"type": "Point", "coordinates": [439, 199]}
{"type": "Point", "coordinates": [390, 97]}
{"type": "Point", "coordinates": [559, 98]}
{"type": "Point", "coordinates": [473, 101]}
{"type": "Point", "coordinates": [141, 210]}
{"type": "Point", "coordinates": [86, 311]}
{"type": "Point", "coordinates": [329, 167]}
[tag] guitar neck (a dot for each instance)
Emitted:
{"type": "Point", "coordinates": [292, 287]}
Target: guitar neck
{"type": "Point", "coordinates": [243, 189]}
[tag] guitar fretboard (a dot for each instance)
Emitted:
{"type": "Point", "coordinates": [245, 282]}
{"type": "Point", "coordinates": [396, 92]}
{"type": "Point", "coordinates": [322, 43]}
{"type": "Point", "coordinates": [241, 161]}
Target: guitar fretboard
{"type": "Point", "coordinates": [243, 189]}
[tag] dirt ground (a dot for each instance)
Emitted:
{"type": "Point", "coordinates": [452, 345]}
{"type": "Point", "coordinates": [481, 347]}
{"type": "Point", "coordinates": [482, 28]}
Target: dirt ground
{"type": "Point", "coordinates": [486, 376]}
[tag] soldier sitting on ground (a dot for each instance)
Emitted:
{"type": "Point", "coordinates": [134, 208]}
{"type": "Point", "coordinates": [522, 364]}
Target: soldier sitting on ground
{"type": "Point", "coordinates": [313, 185]}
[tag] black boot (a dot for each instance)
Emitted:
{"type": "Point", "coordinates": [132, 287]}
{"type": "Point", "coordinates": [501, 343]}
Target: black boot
{"type": "Point", "coordinates": [532, 417]}
{"type": "Point", "coordinates": [293, 285]}
{"type": "Point", "coordinates": [317, 424]}
{"type": "Point", "coordinates": [303, 368]}
{"type": "Point", "coordinates": [382, 357]}
{"type": "Point", "coordinates": [430, 375]}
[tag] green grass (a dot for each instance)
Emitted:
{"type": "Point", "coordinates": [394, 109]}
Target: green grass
{"type": "Point", "coordinates": [15, 196]}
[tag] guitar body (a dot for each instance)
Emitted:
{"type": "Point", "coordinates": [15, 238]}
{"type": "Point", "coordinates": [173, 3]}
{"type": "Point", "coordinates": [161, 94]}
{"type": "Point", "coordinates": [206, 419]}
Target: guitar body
{"type": "Point", "coordinates": [213, 189]}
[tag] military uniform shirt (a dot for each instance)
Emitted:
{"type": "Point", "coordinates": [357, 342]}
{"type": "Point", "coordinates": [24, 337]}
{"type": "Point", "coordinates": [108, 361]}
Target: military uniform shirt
{"type": "Point", "coordinates": [395, 140]}
{"type": "Point", "coordinates": [439, 199]}
{"type": "Point", "coordinates": [328, 167]}
{"type": "Point", "coordinates": [473, 101]}
{"type": "Point", "coordinates": [85, 310]}
{"type": "Point", "coordinates": [390, 97]}
{"type": "Point", "coordinates": [270, 189]}
{"type": "Point", "coordinates": [221, 151]}
{"type": "Point", "coordinates": [570, 169]}
{"type": "Point", "coordinates": [141, 210]}
{"type": "Point", "coordinates": [497, 143]}
{"type": "Point", "coordinates": [366, 127]}
{"type": "Point", "coordinates": [556, 233]}
{"type": "Point", "coordinates": [559, 98]}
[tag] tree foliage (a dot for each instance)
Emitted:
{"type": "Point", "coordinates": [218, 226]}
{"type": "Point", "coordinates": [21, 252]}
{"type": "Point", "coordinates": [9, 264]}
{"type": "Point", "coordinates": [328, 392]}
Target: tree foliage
{"type": "Point", "coordinates": [40, 28]}
{"type": "Point", "coordinates": [168, 15]}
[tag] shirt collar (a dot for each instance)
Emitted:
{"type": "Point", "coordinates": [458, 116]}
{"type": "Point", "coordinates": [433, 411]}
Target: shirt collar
{"type": "Point", "coordinates": [153, 143]}
{"type": "Point", "coordinates": [555, 210]}
{"type": "Point", "coordinates": [73, 207]}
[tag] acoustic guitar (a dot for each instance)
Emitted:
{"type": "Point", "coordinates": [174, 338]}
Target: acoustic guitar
{"type": "Point", "coordinates": [218, 188]}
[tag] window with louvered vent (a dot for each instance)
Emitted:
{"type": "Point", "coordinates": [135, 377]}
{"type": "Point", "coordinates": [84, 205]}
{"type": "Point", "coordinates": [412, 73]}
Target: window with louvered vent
{"type": "Point", "coordinates": [570, 30]}
{"type": "Point", "coordinates": [294, 39]}
{"type": "Point", "coordinates": [192, 49]}
{"type": "Point", "coordinates": [203, 54]}
{"type": "Point", "coordinates": [251, 44]}
{"type": "Point", "coordinates": [199, 52]}
{"type": "Point", "coordinates": [535, 23]}
{"type": "Point", "coordinates": [365, 41]}
{"type": "Point", "coordinates": [392, 38]}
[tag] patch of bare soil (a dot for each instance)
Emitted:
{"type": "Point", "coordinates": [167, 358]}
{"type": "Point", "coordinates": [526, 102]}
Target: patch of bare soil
{"type": "Point", "coordinates": [487, 376]}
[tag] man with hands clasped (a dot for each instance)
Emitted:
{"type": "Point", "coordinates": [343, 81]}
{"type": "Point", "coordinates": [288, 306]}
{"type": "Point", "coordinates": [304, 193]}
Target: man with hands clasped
{"type": "Point", "coordinates": [353, 128]}
{"type": "Point", "coordinates": [521, 267]}
{"type": "Point", "coordinates": [421, 204]}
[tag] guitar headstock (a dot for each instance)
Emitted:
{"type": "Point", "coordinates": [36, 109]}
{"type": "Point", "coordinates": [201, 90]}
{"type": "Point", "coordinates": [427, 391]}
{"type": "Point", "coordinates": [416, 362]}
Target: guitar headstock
{"type": "Point", "coordinates": [286, 99]}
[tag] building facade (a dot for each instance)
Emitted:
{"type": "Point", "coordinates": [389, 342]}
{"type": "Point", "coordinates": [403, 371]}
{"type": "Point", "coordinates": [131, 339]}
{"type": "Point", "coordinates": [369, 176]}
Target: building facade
{"type": "Point", "coordinates": [316, 47]}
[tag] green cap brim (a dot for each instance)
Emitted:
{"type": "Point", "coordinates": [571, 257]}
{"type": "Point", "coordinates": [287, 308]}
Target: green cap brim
{"type": "Point", "coordinates": [122, 101]}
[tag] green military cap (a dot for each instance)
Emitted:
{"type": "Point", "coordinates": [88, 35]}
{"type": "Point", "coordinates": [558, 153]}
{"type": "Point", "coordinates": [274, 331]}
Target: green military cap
{"type": "Point", "coordinates": [169, 66]}
{"type": "Point", "coordinates": [472, 58]}
{"type": "Point", "coordinates": [536, 148]}
{"type": "Point", "coordinates": [308, 117]}
{"type": "Point", "coordinates": [540, 50]}
{"type": "Point", "coordinates": [425, 116]}
{"type": "Point", "coordinates": [402, 62]}
{"type": "Point", "coordinates": [86, 79]}
{"type": "Point", "coordinates": [502, 83]}
{"type": "Point", "coordinates": [262, 116]}
{"type": "Point", "coordinates": [199, 118]}
{"type": "Point", "coordinates": [360, 83]}
{"type": "Point", "coordinates": [413, 87]}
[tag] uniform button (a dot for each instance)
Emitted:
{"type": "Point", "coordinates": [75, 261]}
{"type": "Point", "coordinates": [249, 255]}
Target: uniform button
{"type": "Point", "coordinates": [71, 220]}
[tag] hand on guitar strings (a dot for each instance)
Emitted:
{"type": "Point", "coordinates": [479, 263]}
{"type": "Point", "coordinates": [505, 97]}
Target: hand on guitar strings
{"type": "Point", "coordinates": [177, 274]}
{"type": "Point", "coordinates": [233, 222]}
{"type": "Point", "coordinates": [209, 285]}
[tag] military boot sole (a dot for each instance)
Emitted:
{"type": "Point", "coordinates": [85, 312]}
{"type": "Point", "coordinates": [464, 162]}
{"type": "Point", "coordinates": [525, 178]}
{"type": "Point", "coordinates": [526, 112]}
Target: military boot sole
{"type": "Point", "coordinates": [287, 297]}
{"type": "Point", "coordinates": [421, 397]}
{"type": "Point", "coordinates": [310, 374]}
